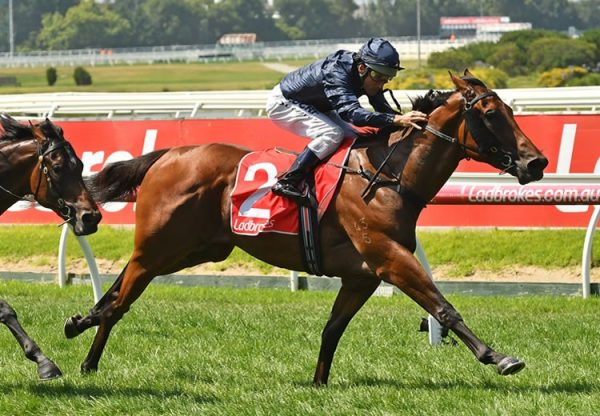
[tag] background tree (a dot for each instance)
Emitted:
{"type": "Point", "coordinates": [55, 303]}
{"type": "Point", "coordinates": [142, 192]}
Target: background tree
{"type": "Point", "coordinates": [87, 25]}
{"type": "Point", "coordinates": [548, 53]}
{"type": "Point", "coordinates": [345, 23]}
{"type": "Point", "coordinates": [243, 16]}
{"type": "Point", "coordinates": [172, 22]}
{"type": "Point", "coordinates": [167, 22]}
{"type": "Point", "coordinates": [509, 58]}
{"type": "Point", "coordinates": [27, 17]}
{"type": "Point", "coordinates": [588, 13]}
{"type": "Point", "coordinates": [593, 37]}
{"type": "Point", "coordinates": [547, 14]}
{"type": "Point", "coordinates": [51, 76]}
{"type": "Point", "coordinates": [305, 19]}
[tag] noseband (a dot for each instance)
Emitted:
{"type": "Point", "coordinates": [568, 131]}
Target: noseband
{"type": "Point", "coordinates": [43, 150]}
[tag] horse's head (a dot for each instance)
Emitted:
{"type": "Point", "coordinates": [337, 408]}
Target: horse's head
{"type": "Point", "coordinates": [492, 135]}
{"type": "Point", "coordinates": [55, 179]}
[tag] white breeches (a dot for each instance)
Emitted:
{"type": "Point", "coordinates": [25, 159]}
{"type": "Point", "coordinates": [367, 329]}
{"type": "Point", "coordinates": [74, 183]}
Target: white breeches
{"type": "Point", "coordinates": [326, 130]}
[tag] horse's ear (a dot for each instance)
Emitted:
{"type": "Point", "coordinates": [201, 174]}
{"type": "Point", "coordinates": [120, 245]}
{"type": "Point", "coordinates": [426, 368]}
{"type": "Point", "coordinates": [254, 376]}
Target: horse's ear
{"type": "Point", "coordinates": [460, 84]}
{"type": "Point", "coordinates": [6, 119]}
{"type": "Point", "coordinates": [468, 73]}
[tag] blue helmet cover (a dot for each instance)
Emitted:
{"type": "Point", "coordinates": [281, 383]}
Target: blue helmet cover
{"type": "Point", "coordinates": [379, 55]}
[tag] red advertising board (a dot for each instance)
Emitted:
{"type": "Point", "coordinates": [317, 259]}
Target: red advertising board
{"type": "Point", "coordinates": [571, 143]}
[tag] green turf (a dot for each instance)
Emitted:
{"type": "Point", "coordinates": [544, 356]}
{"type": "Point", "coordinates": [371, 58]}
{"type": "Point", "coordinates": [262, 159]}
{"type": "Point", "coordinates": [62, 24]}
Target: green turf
{"type": "Point", "coordinates": [139, 78]}
{"type": "Point", "coordinates": [182, 351]}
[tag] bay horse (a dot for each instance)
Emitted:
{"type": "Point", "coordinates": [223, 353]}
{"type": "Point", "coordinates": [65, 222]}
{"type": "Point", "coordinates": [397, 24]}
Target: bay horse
{"type": "Point", "coordinates": [38, 163]}
{"type": "Point", "coordinates": [183, 215]}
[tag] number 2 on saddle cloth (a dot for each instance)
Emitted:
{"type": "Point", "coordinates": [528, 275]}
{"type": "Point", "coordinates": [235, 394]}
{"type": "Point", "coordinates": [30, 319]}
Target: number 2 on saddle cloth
{"type": "Point", "coordinates": [255, 210]}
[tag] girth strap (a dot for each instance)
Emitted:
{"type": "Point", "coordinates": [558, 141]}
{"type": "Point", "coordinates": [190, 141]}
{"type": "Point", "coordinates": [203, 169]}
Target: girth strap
{"type": "Point", "coordinates": [308, 216]}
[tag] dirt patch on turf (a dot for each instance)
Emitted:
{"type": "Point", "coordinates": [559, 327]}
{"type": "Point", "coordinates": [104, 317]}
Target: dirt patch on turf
{"type": "Point", "coordinates": [512, 274]}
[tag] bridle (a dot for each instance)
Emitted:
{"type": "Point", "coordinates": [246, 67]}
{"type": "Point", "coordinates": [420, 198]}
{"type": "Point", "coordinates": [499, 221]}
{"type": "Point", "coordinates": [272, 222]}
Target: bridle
{"type": "Point", "coordinates": [44, 148]}
{"type": "Point", "coordinates": [487, 143]}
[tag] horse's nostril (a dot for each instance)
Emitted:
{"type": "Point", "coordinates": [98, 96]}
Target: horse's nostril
{"type": "Point", "coordinates": [537, 164]}
{"type": "Point", "coordinates": [91, 217]}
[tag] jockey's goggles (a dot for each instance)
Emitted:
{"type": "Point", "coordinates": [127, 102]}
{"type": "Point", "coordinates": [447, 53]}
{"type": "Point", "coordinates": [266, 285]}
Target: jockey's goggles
{"type": "Point", "coordinates": [379, 77]}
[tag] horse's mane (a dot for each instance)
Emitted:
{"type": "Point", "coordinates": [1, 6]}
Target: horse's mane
{"type": "Point", "coordinates": [13, 130]}
{"type": "Point", "coordinates": [433, 99]}
{"type": "Point", "coordinates": [430, 101]}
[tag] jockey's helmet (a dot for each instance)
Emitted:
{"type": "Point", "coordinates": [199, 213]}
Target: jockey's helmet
{"type": "Point", "coordinates": [379, 55]}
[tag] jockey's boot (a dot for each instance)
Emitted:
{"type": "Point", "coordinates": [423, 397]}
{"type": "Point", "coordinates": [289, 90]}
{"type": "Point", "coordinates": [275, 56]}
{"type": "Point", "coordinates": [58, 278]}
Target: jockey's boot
{"type": "Point", "coordinates": [290, 184]}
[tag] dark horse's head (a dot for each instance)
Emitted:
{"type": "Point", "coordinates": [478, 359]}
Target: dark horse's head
{"type": "Point", "coordinates": [488, 131]}
{"type": "Point", "coordinates": [46, 166]}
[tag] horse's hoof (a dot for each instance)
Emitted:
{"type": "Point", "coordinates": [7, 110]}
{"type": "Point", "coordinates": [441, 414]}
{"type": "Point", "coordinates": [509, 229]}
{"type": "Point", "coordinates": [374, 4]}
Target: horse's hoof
{"type": "Point", "coordinates": [88, 370]}
{"type": "Point", "coordinates": [71, 330]}
{"type": "Point", "coordinates": [510, 365]}
{"type": "Point", "coordinates": [47, 370]}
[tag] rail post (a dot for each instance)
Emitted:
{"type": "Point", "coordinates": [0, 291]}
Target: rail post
{"type": "Point", "coordinates": [89, 257]}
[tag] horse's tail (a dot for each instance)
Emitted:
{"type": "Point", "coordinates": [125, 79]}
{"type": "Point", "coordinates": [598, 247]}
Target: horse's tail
{"type": "Point", "coordinates": [118, 182]}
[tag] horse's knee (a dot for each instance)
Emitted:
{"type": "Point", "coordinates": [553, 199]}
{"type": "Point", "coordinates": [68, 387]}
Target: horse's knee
{"type": "Point", "coordinates": [448, 316]}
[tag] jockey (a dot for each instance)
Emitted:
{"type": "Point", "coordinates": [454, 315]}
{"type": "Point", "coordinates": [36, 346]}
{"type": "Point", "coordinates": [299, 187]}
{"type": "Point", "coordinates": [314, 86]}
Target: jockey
{"type": "Point", "coordinates": [320, 101]}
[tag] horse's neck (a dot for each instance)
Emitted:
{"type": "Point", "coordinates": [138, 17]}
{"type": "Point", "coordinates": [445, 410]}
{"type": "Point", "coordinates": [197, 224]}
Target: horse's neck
{"type": "Point", "coordinates": [432, 160]}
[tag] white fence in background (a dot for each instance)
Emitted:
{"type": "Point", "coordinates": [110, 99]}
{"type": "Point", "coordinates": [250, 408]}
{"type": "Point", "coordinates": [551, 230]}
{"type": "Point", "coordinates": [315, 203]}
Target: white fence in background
{"type": "Point", "coordinates": [251, 103]}
{"type": "Point", "coordinates": [409, 47]}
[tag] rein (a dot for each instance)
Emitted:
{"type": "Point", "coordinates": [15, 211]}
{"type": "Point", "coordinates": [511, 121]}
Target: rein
{"type": "Point", "coordinates": [373, 178]}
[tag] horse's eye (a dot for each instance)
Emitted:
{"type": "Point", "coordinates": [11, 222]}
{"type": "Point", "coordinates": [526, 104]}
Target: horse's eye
{"type": "Point", "coordinates": [57, 169]}
{"type": "Point", "coordinates": [490, 114]}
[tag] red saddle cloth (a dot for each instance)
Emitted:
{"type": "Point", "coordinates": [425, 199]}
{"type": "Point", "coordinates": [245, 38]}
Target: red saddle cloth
{"type": "Point", "coordinates": [255, 209]}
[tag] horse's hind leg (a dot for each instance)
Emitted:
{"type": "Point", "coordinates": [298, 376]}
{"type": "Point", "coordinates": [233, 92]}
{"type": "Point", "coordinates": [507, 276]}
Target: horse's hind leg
{"type": "Point", "coordinates": [348, 302]}
{"type": "Point", "coordinates": [404, 271]}
{"type": "Point", "coordinates": [47, 370]}
{"type": "Point", "coordinates": [136, 276]}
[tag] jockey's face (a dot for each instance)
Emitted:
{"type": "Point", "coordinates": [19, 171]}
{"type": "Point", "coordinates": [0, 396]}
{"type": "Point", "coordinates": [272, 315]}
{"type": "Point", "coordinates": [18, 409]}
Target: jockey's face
{"type": "Point", "coordinates": [373, 82]}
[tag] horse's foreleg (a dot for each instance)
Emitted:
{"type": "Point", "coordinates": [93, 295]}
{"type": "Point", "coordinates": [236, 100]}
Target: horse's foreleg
{"type": "Point", "coordinates": [47, 370]}
{"type": "Point", "coordinates": [348, 302]}
{"type": "Point", "coordinates": [135, 281]}
{"type": "Point", "coordinates": [405, 272]}
{"type": "Point", "coordinates": [77, 324]}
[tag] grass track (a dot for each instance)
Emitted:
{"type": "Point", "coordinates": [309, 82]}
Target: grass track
{"type": "Point", "coordinates": [247, 352]}
{"type": "Point", "coordinates": [139, 78]}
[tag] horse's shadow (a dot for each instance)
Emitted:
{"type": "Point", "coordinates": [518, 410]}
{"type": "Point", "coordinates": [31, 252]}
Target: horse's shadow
{"type": "Point", "coordinates": [577, 387]}
{"type": "Point", "coordinates": [68, 390]}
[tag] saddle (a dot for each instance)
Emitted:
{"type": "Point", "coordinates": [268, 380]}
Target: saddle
{"type": "Point", "coordinates": [255, 209]}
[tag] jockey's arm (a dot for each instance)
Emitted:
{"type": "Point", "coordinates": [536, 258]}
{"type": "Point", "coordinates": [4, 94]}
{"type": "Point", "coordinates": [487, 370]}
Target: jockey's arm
{"type": "Point", "coordinates": [341, 95]}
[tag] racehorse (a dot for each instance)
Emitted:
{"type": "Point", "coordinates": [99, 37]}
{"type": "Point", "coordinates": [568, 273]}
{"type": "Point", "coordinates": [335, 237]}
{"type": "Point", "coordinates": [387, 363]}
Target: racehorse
{"type": "Point", "coordinates": [183, 215]}
{"type": "Point", "coordinates": [36, 162]}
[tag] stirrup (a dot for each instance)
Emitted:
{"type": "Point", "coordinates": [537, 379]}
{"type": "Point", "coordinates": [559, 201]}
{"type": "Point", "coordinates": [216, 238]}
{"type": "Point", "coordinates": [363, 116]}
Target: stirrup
{"type": "Point", "coordinates": [288, 190]}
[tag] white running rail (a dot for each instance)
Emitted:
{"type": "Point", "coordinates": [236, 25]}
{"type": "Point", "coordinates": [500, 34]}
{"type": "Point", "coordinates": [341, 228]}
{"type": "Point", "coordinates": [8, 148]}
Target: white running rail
{"type": "Point", "coordinates": [251, 103]}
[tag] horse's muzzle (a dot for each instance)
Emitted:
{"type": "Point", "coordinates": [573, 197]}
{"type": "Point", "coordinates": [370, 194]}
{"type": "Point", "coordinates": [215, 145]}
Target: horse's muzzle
{"type": "Point", "coordinates": [85, 222]}
{"type": "Point", "coordinates": [534, 170]}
